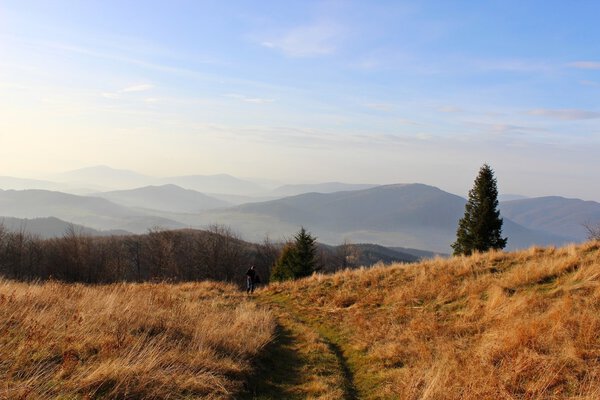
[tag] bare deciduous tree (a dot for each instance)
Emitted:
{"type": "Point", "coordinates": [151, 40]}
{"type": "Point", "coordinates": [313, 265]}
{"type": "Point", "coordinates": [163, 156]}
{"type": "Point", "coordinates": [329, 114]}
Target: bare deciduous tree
{"type": "Point", "coordinates": [593, 230]}
{"type": "Point", "coordinates": [267, 254]}
{"type": "Point", "coordinates": [182, 255]}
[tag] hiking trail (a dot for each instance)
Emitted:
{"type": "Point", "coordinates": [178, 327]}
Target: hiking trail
{"type": "Point", "coordinates": [301, 362]}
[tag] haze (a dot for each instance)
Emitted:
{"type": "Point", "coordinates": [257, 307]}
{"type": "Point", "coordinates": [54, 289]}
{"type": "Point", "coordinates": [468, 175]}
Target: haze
{"type": "Point", "coordinates": [360, 92]}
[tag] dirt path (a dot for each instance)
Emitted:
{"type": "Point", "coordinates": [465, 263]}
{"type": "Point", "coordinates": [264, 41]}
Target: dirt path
{"type": "Point", "coordinates": [300, 363]}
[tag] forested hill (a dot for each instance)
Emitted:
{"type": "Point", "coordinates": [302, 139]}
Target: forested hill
{"type": "Point", "coordinates": [175, 255]}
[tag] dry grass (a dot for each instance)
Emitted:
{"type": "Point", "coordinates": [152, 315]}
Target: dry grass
{"type": "Point", "coordinates": [522, 325]}
{"type": "Point", "coordinates": [151, 341]}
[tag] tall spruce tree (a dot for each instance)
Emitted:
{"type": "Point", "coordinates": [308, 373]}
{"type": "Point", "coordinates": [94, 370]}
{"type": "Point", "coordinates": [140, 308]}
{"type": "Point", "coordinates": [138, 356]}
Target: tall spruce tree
{"type": "Point", "coordinates": [480, 229]}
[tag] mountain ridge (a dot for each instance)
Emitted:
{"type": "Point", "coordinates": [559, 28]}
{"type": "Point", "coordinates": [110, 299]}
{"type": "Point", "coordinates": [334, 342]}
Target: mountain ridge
{"type": "Point", "coordinates": [410, 215]}
{"type": "Point", "coordinates": [51, 227]}
{"type": "Point", "coordinates": [93, 212]}
{"type": "Point", "coordinates": [167, 197]}
{"type": "Point", "coordinates": [555, 214]}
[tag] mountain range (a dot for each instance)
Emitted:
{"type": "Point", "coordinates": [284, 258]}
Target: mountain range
{"type": "Point", "coordinates": [413, 216]}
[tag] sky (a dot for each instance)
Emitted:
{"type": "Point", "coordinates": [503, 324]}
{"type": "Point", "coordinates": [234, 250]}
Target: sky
{"type": "Point", "coordinates": [306, 91]}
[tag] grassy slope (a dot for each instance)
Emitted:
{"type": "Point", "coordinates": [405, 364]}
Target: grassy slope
{"type": "Point", "coordinates": [151, 341]}
{"type": "Point", "coordinates": [499, 325]}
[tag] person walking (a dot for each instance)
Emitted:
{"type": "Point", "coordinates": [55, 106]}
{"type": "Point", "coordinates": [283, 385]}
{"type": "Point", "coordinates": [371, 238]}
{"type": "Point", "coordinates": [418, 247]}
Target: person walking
{"type": "Point", "coordinates": [250, 279]}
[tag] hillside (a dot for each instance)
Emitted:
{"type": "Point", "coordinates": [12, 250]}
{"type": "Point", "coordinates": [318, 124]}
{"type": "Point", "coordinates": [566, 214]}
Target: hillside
{"type": "Point", "coordinates": [49, 227]}
{"type": "Point", "coordinates": [383, 207]}
{"type": "Point", "coordinates": [370, 254]}
{"type": "Point", "coordinates": [520, 325]}
{"type": "Point", "coordinates": [171, 198]}
{"type": "Point", "coordinates": [554, 214]}
{"type": "Point", "coordinates": [499, 325]}
{"type": "Point", "coordinates": [355, 255]}
{"type": "Point", "coordinates": [420, 254]}
{"type": "Point", "coordinates": [93, 212]}
{"type": "Point", "coordinates": [411, 215]}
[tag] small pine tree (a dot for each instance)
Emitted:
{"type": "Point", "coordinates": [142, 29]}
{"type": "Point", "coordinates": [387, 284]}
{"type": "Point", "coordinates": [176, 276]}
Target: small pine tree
{"type": "Point", "coordinates": [298, 259]}
{"type": "Point", "coordinates": [306, 254]}
{"type": "Point", "coordinates": [480, 229]}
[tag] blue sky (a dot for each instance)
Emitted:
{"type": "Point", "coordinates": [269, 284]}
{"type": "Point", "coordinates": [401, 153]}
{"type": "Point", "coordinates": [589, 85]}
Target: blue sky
{"type": "Point", "coordinates": [382, 91]}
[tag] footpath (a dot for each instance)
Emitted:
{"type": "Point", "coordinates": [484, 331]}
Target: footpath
{"type": "Point", "coordinates": [303, 362]}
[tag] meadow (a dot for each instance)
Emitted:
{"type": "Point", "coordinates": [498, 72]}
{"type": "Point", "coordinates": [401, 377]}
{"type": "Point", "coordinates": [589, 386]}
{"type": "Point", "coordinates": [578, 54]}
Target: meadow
{"type": "Point", "coordinates": [521, 325]}
{"type": "Point", "coordinates": [127, 341]}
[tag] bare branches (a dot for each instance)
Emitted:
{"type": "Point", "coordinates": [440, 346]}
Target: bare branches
{"type": "Point", "coordinates": [593, 230]}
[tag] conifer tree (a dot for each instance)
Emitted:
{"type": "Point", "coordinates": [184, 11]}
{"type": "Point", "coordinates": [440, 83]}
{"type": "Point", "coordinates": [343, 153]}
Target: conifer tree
{"type": "Point", "coordinates": [480, 229]}
{"type": "Point", "coordinates": [298, 258]}
{"type": "Point", "coordinates": [306, 254]}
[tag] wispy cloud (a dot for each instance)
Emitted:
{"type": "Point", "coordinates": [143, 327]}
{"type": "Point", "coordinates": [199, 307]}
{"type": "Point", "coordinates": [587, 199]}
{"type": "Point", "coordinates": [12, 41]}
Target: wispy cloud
{"type": "Point", "coordinates": [313, 40]}
{"type": "Point", "coordinates": [137, 88]}
{"type": "Point", "coordinates": [565, 114]}
{"type": "Point", "coordinates": [503, 128]}
{"type": "Point", "coordinates": [190, 73]}
{"type": "Point", "coordinates": [253, 100]}
{"type": "Point", "coordinates": [585, 64]}
{"type": "Point", "coordinates": [142, 87]}
{"type": "Point", "coordinates": [304, 137]}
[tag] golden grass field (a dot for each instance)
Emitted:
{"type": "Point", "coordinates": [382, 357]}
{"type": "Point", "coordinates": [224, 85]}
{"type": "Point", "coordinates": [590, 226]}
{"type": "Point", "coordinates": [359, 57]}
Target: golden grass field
{"type": "Point", "coordinates": [523, 325]}
{"type": "Point", "coordinates": [134, 341]}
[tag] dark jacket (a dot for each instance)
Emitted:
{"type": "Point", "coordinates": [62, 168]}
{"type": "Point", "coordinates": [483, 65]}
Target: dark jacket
{"type": "Point", "coordinates": [251, 274]}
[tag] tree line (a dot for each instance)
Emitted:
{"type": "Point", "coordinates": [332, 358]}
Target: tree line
{"type": "Point", "coordinates": [217, 253]}
{"type": "Point", "coordinates": [183, 255]}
